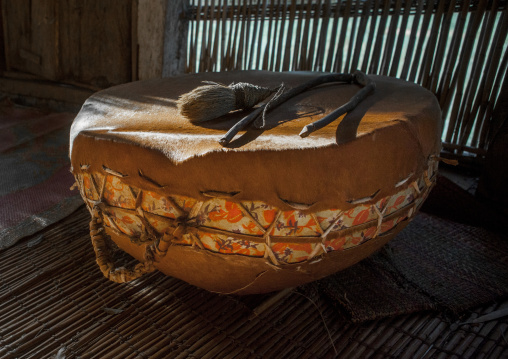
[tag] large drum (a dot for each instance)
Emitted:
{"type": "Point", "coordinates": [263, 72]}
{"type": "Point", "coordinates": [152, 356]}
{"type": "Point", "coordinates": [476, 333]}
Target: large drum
{"type": "Point", "coordinates": [271, 210]}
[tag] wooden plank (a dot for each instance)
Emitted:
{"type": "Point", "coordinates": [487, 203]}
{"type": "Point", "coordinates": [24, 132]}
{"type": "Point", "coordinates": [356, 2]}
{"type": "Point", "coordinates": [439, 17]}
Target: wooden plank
{"type": "Point", "coordinates": [17, 32]}
{"type": "Point", "coordinates": [43, 51]}
{"type": "Point", "coordinates": [44, 90]}
{"type": "Point", "coordinates": [3, 45]}
{"type": "Point", "coordinates": [175, 38]}
{"type": "Point", "coordinates": [151, 21]}
{"type": "Point", "coordinates": [16, 75]}
{"type": "Point", "coordinates": [134, 41]}
{"type": "Point", "coordinates": [94, 41]}
{"type": "Point", "coordinates": [70, 40]}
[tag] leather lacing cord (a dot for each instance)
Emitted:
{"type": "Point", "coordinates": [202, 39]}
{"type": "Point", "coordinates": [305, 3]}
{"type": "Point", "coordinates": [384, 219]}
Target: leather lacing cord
{"type": "Point", "coordinates": [187, 227]}
{"type": "Point", "coordinates": [158, 247]}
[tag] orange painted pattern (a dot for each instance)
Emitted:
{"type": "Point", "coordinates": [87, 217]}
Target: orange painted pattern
{"type": "Point", "coordinates": [118, 194]}
{"type": "Point", "coordinates": [230, 245]}
{"type": "Point", "coordinates": [247, 218]}
{"type": "Point", "coordinates": [157, 204]}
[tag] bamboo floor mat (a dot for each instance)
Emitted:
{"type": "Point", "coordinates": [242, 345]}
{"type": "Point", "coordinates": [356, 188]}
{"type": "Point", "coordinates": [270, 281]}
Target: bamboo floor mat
{"type": "Point", "coordinates": [55, 303]}
{"type": "Point", "coordinates": [35, 176]}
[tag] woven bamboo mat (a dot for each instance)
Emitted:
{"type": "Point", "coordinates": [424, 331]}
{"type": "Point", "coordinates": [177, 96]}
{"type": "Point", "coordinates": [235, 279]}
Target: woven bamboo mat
{"type": "Point", "coordinates": [432, 264]}
{"type": "Point", "coordinates": [34, 177]}
{"type": "Point", "coordinates": [54, 303]}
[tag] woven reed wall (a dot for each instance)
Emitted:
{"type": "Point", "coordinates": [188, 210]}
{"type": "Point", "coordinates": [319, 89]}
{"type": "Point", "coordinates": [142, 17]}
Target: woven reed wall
{"type": "Point", "coordinates": [456, 49]}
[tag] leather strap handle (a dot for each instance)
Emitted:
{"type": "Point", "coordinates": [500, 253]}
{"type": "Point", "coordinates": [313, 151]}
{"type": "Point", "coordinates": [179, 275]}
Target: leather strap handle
{"type": "Point", "coordinates": [112, 271]}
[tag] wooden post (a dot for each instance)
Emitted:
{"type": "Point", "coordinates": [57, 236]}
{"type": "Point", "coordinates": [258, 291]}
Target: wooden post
{"type": "Point", "coordinates": [175, 38]}
{"type": "Point", "coordinates": [162, 38]}
{"type": "Point", "coordinates": [3, 44]}
{"type": "Point", "coordinates": [134, 40]}
{"type": "Point", "coordinates": [150, 30]}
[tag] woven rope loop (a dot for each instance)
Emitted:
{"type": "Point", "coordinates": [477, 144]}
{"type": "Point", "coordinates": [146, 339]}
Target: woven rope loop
{"type": "Point", "coordinates": [109, 269]}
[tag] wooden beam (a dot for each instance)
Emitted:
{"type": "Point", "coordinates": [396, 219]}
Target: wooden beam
{"type": "Point", "coordinates": [3, 43]}
{"type": "Point", "coordinates": [150, 37]}
{"type": "Point", "coordinates": [45, 90]}
{"type": "Point", "coordinates": [175, 38]}
{"type": "Point", "coordinates": [134, 41]}
{"type": "Point", "coordinates": [162, 29]}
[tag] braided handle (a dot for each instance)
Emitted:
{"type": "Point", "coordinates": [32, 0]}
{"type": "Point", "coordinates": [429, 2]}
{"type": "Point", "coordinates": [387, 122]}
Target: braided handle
{"type": "Point", "coordinates": [118, 274]}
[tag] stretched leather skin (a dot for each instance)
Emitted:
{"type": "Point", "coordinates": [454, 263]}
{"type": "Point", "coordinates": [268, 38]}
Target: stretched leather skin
{"type": "Point", "coordinates": [136, 131]}
{"type": "Point", "coordinates": [136, 127]}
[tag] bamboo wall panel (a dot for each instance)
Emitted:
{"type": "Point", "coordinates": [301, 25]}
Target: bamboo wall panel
{"type": "Point", "coordinates": [456, 49]}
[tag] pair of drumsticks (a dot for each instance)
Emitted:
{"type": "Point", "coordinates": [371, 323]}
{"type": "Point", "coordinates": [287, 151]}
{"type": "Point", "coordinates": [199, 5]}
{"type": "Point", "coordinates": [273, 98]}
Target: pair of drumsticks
{"type": "Point", "coordinates": [213, 100]}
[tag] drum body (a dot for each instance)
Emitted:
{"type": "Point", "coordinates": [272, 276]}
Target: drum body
{"type": "Point", "coordinates": [272, 210]}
